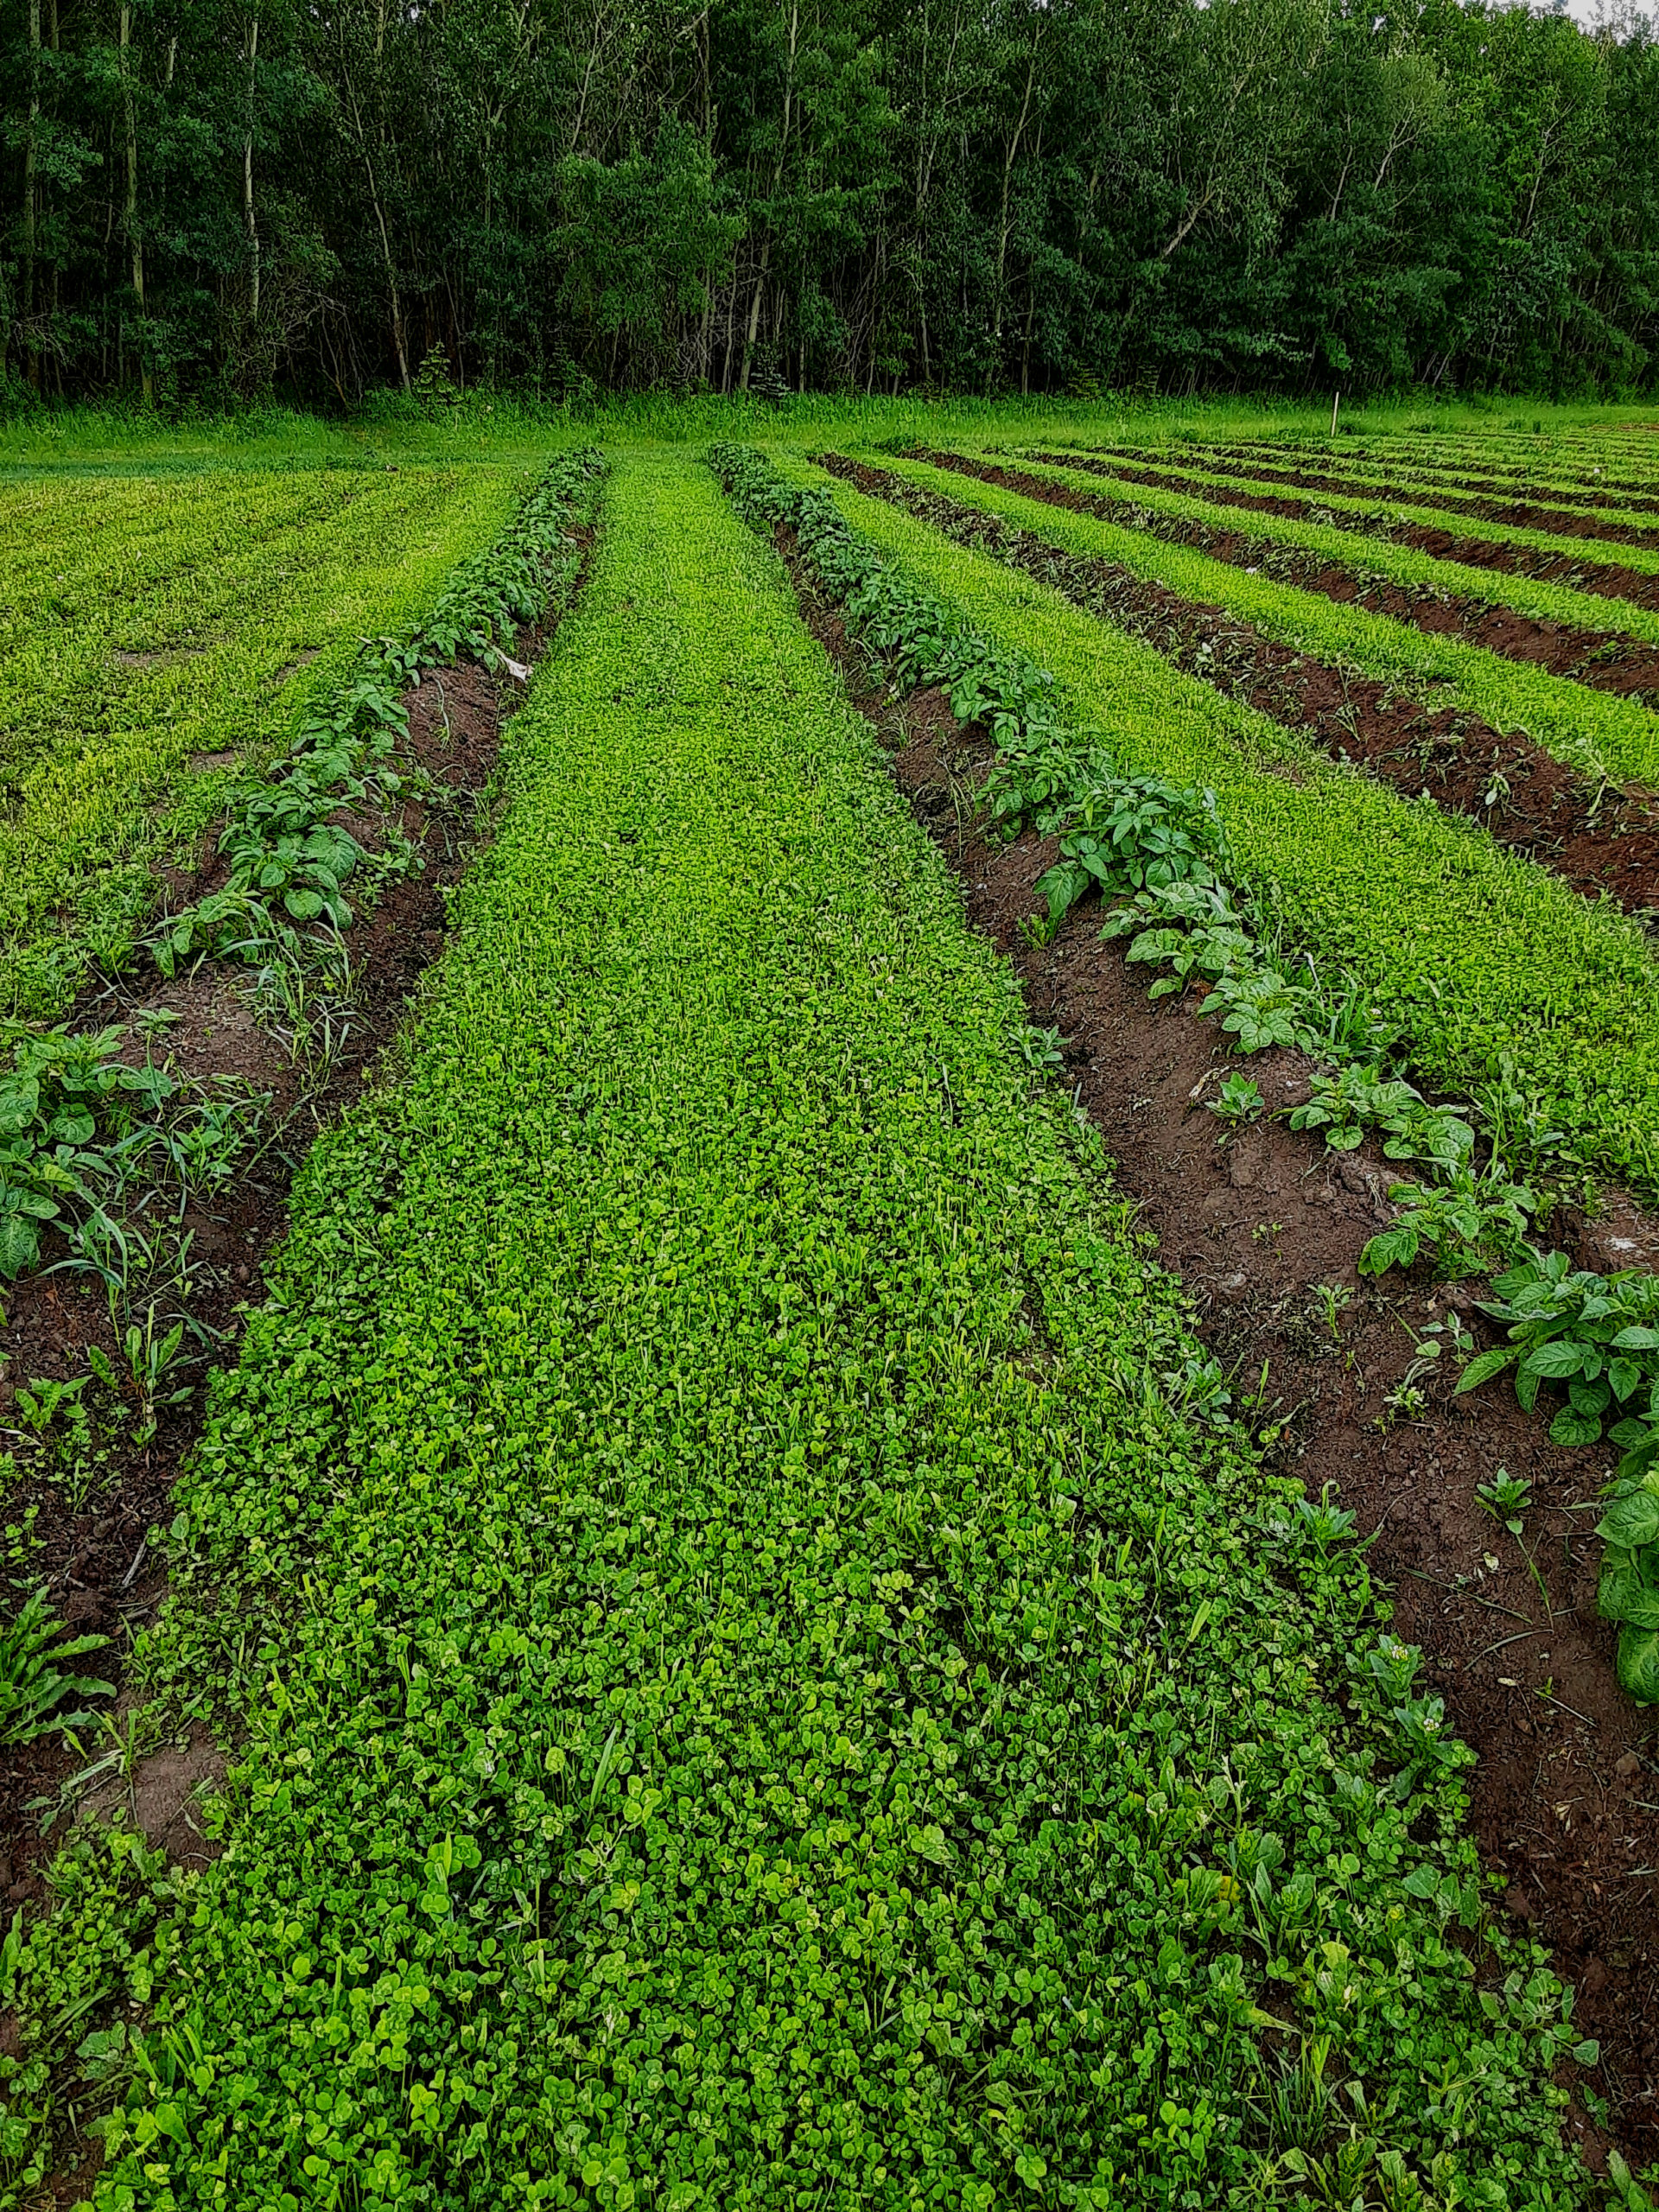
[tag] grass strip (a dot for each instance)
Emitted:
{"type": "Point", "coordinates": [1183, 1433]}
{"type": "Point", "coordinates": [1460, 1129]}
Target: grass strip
{"type": "Point", "coordinates": [199, 636]}
{"type": "Point", "coordinates": [773, 1702]}
{"type": "Point", "coordinates": [1607, 738]}
{"type": "Point", "coordinates": [1492, 968]}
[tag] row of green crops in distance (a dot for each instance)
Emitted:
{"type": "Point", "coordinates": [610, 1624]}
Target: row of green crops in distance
{"type": "Point", "coordinates": [1164, 851]}
{"type": "Point", "coordinates": [774, 1704]}
{"type": "Point", "coordinates": [1484, 961]}
{"type": "Point", "coordinates": [1368, 512]}
{"type": "Point", "coordinates": [1350, 470]}
{"type": "Point", "coordinates": [145, 627]}
{"type": "Point", "coordinates": [1597, 733]}
{"type": "Point", "coordinates": [1559, 476]}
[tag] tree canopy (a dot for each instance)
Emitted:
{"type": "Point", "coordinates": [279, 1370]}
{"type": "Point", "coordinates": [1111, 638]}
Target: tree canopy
{"type": "Point", "coordinates": [217, 198]}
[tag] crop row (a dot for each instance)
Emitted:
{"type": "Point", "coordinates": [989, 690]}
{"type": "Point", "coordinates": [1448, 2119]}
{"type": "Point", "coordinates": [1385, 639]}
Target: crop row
{"type": "Point", "coordinates": [1163, 532]}
{"type": "Point", "coordinates": [78, 1130]}
{"type": "Point", "coordinates": [1562, 482]}
{"type": "Point", "coordinates": [1521, 507]}
{"type": "Point", "coordinates": [775, 1700]}
{"type": "Point", "coordinates": [1495, 973]}
{"type": "Point", "coordinates": [131, 692]}
{"type": "Point", "coordinates": [1165, 851]}
{"type": "Point", "coordinates": [1605, 844]}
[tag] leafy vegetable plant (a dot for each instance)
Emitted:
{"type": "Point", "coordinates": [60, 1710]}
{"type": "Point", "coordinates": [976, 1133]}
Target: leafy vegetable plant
{"type": "Point", "coordinates": [33, 1680]}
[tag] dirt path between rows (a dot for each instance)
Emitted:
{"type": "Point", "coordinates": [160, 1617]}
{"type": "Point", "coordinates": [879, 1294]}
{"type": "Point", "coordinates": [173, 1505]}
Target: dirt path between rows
{"type": "Point", "coordinates": [1567, 1791]}
{"type": "Point", "coordinates": [1517, 514]}
{"type": "Point", "coordinates": [89, 1528]}
{"type": "Point", "coordinates": [1601, 843]}
{"type": "Point", "coordinates": [1602, 580]}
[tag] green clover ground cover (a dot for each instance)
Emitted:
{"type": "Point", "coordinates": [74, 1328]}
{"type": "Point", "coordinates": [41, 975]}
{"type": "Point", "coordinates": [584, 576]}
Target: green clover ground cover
{"type": "Point", "coordinates": [1492, 968]}
{"type": "Point", "coordinates": [767, 1698]}
{"type": "Point", "coordinates": [147, 623]}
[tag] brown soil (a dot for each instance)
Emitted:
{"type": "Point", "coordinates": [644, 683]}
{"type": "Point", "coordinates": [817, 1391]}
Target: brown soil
{"type": "Point", "coordinates": [1567, 1791]}
{"type": "Point", "coordinates": [1517, 514]}
{"type": "Point", "coordinates": [1606, 660]}
{"type": "Point", "coordinates": [1601, 579]}
{"type": "Point", "coordinates": [1580, 488]}
{"type": "Point", "coordinates": [1605, 844]}
{"type": "Point", "coordinates": [90, 1542]}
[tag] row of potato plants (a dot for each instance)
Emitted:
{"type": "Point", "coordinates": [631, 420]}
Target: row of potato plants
{"type": "Point", "coordinates": [768, 1698]}
{"type": "Point", "coordinates": [1160, 852]}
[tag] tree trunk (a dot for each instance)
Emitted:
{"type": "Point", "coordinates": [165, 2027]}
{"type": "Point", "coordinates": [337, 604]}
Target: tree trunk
{"type": "Point", "coordinates": [31, 351]}
{"type": "Point", "coordinates": [248, 221]}
{"type": "Point", "coordinates": [754, 316]}
{"type": "Point", "coordinates": [135, 240]}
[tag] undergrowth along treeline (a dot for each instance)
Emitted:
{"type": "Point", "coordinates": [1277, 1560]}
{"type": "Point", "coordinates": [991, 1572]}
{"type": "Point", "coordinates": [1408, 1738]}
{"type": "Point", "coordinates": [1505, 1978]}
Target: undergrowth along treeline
{"type": "Point", "coordinates": [1162, 851]}
{"type": "Point", "coordinates": [780, 1697]}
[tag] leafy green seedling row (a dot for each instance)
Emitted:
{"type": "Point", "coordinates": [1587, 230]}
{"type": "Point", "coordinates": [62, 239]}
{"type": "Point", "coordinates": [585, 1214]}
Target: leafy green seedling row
{"type": "Point", "coordinates": [1346, 477]}
{"type": "Point", "coordinates": [769, 1697]}
{"type": "Point", "coordinates": [1542, 481]}
{"type": "Point", "coordinates": [1165, 851]}
{"type": "Point", "coordinates": [1494, 971]}
{"type": "Point", "coordinates": [1369, 516]}
{"type": "Point", "coordinates": [1601, 735]}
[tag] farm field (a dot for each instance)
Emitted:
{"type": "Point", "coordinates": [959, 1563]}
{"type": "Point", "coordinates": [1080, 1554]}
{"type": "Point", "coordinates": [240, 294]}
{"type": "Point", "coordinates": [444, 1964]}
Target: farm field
{"type": "Point", "coordinates": [154, 638]}
{"type": "Point", "coordinates": [836, 1558]}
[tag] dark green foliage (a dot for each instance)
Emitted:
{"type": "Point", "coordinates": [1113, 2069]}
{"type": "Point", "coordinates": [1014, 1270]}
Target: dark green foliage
{"type": "Point", "coordinates": [1130, 195]}
{"type": "Point", "coordinates": [33, 1685]}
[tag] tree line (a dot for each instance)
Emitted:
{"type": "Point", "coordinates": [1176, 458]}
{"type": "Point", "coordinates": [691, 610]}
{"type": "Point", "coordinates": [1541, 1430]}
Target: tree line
{"type": "Point", "coordinates": [214, 198]}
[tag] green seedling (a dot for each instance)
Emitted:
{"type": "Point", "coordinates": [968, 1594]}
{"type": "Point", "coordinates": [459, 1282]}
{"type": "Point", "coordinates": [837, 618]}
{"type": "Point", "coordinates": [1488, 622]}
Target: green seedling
{"type": "Point", "coordinates": [33, 1683]}
{"type": "Point", "coordinates": [149, 1356]}
{"type": "Point", "coordinates": [1507, 1499]}
{"type": "Point", "coordinates": [1239, 1101]}
{"type": "Point", "coordinates": [1333, 1300]}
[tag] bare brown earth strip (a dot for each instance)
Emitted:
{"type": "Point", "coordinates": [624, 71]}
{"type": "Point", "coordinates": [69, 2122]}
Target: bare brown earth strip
{"type": "Point", "coordinates": [1602, 579]}
{"type": "Point", "coordinates": [1584, 488]}
{"type": "Point", "coordinates": [1606, 660]}
{"type": "Point", "coordinates": [90, 1527]}
{"type": "Point", "coordinates": [1601, 843]}
{"type": "Point", "coordinates": [1266, 1229]}
{"type": "Point", "coordinates": [1519, 514]}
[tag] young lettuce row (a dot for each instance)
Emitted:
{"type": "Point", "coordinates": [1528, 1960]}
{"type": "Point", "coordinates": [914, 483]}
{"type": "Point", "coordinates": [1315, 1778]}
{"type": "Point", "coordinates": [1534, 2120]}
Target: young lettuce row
{"type": "Point", "coordinates": [1162, 850]}
{"type": "Point", "coordinates": [279, 839]}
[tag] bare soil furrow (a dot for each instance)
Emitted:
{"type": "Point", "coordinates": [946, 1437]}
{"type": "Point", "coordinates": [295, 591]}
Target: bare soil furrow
{"type": "Point", "coordinates": [1604, 843]}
